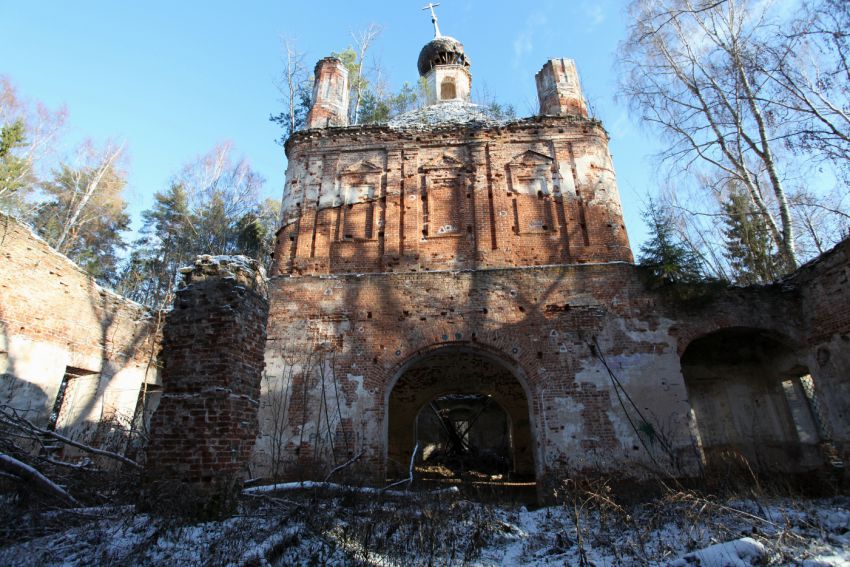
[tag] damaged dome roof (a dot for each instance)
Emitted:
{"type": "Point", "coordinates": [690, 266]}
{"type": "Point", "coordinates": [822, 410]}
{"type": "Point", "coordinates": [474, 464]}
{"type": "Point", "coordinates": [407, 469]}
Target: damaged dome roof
{"type": "Point", "coordinates": [443, 50]}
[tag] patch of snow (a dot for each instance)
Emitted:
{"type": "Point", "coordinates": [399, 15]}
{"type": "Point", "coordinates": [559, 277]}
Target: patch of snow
{"type": "Point", "coordinates": [229, 263]}
{"type": "Point", "coordinates": [827, 561]}
{"type": "Point", "coordinates": [308, 484]}
{"type": "Point", "coordinates": [446, 113]}
{"type": "Point", "coordinates": [239, 261]}
{"type": "Point", "coordinates": [363, 528]}
{"type": "Point", "coordinates": [742, 552]}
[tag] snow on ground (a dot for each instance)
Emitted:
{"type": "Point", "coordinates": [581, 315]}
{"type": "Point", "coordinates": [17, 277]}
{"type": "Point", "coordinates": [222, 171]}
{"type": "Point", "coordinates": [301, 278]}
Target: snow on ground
{"type": "Point", "coordinates": [330, 528]}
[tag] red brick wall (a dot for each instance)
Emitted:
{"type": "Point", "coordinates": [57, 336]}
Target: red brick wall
{"type": "Point", "coordinates": [536, 192]}
{"type": "Point", "coordinates": [54, 316]}
{"type": "Point", "coordinates": [540, 322]}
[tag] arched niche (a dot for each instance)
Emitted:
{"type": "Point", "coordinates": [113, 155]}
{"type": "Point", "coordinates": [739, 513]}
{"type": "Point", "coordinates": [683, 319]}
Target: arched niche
{"type": "Point", "coordinates": [448, 90]}
{"type": "Point", "coordinates": [754, 403]}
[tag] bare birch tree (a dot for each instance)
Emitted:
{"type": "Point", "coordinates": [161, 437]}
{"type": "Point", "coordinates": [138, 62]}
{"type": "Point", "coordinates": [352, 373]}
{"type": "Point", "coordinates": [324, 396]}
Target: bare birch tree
{"type": "Point", "coordinates": [691, 69]}
{"type": "Point", "coordinates": [295, 87]}
{"type": "Point", "coordinates": [28, 133]}
{"type": "Point", "coordinates": [809, 72]}
{"type": "Point", "coordinates": [84, 182]}
{"type": "Point", "coordinates": [221, 189]}
{"type": "Point", "coordinates": [362, 42]}
{"type": "Point", "coordinates": [82, 213]}
{"type": "Point", "coordinates": [745, 96]}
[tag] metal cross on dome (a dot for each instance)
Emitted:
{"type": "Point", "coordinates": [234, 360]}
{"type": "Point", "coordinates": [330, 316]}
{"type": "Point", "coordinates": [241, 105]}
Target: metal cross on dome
{"type": "Point", "coordinates": [431, 6]}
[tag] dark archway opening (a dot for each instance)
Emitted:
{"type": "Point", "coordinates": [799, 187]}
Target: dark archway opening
{"type": "Point", "coordinates": [460, 434]}
{"type": "Point", "coordinates": [468, 414]}
{"type": "Point", "coordinates": [754, 403]}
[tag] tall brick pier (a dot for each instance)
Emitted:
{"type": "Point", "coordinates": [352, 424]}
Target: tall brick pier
{"type": "Point", "coordinates": [204, 430]}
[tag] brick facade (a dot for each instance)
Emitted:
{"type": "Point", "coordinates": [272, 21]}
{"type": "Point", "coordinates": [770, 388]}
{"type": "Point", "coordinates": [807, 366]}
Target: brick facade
{"type": "Point", "coordinates": [375, 199]}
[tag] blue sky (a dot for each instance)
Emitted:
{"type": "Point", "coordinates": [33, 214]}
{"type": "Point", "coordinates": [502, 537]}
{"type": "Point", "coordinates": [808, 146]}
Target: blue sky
{"type": "Point", "coordinates": [175, 78]}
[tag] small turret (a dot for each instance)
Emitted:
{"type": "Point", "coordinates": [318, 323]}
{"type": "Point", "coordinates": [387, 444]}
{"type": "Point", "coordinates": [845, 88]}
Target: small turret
{"type": "Point", "coordinates": [330, 94]}
{"type": "Point", "coordinates": [445, 67]}
{"type": "Point", "coordinates": [559, 90]}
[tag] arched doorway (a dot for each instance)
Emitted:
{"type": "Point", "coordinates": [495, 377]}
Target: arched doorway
{"type": "Point", "coordinates": [466, 409]}
{"type": "Point", "coordinates": [754, 402]}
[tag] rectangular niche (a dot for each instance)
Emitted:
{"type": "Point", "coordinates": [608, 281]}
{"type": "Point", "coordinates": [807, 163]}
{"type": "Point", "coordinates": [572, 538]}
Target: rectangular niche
{"type": "Point", "coordinates": [532, 188]}
{"type": "Point", "coordinates": [444, 210]}
{"type": "Point", "coordinates": [358, 189]}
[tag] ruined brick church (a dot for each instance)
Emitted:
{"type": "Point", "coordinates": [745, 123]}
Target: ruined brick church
{"type": "Point", "coordinates": [449, 282]}
{"type": "Point", "coordinates": [454, 273]}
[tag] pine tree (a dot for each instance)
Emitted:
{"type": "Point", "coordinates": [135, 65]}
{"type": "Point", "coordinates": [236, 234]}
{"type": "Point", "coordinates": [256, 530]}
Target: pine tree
{"type": "Point", "coordinates": [166, 244]}
{"type": "Point", "coordinates": [87, 231]}
{"type": "Point", "coordinates": [667, 258]}
{"type": "Point", "coordinates": [749, 248]}
{"type": "Point", "coordinates": [13, 168]}
{"type": "Point", "coordinates": [210, 208]}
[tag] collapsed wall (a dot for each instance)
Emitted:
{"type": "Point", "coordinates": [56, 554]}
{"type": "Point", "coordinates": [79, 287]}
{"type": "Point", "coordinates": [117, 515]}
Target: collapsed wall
{"type": "Point", "coordinates": [824, 286]}
{"type": "Point", "coordinates": [74, 357]}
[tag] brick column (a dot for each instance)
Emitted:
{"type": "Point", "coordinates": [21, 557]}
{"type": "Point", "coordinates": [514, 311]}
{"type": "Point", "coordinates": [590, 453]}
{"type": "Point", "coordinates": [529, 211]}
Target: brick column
{"type": "Point", "coordinates": [203, 432]}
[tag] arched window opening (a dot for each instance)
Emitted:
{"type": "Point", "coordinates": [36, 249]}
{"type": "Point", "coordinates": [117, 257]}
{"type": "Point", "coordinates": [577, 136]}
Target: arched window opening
{"type": "Point", "coordinates": [754, 403]}
{"type": "Point", "coordinates": [447, 90]}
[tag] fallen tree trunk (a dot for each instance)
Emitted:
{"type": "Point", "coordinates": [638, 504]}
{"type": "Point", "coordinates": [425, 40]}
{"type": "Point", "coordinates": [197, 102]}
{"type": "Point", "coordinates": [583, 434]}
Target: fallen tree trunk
{"type": "Point", "coordinates": [11, 418]}
{"type": "Point", "coordinates": [307, 484]}
{"type": "Point", "coordinates": [28, 474]}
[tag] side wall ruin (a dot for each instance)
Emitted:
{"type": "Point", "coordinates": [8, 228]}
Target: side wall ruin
{"type": "Point", "coordinates": [824, 285]}
{"type": "Point", "coordinates": [60, 330]}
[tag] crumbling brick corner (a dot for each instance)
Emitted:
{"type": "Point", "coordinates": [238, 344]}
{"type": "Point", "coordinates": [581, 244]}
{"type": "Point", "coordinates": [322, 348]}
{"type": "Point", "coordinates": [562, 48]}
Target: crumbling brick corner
{"type": "Point", "coordinates": [203, 432]}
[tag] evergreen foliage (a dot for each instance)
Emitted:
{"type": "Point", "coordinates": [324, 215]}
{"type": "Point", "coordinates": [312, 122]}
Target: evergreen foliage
{"type": "Point", "coordinates": [94, 239]}
{"type": "Point", "coordinates": [665, 256]}
{"type": "Point", "coordinates": [202, 212]}
{"type": "Point", "coordinates": [749, 249]}
{"type": "Point", "coordinates": [378, 110]}
{"type": "Point", "coordinates": [12, 167]}
{"type": "Point", "coordinates": [304, 99]}
{"type": "Point", "coordinates": [501, 111]}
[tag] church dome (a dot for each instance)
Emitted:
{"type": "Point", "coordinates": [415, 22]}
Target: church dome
{"type": "Point", "coordinates": [443, 50]}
